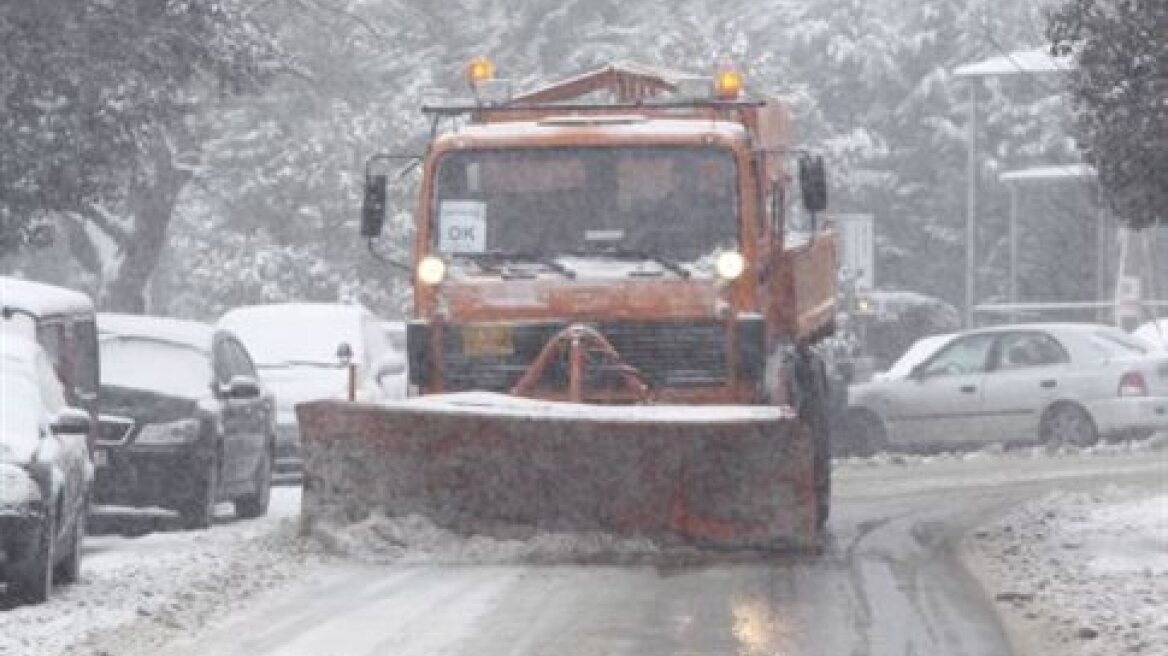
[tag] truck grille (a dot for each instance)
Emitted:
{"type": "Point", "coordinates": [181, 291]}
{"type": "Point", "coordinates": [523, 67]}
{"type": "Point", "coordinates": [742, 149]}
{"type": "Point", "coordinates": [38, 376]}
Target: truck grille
{"type": "Point", "coordinates": [667, 354]}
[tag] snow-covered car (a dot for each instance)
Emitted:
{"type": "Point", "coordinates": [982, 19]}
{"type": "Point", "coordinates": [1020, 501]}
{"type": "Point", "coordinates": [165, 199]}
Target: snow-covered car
{"type": "Point", "coordinates": [63, 322]}
{"type": "Point", "coordinates": [1054, 383]}
{"type": "Point", "coordinates": [45, 473]}
{"type": "Point", "coordinates": [186, 422]}
{"type": "Point", "coordinates": [300, 350]}
{"type": "Point", "coordinates": [1155, 333]}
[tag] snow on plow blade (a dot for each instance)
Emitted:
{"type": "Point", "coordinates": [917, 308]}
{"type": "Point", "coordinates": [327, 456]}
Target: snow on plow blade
{"type": "Point", "coordinates": [485, 463]}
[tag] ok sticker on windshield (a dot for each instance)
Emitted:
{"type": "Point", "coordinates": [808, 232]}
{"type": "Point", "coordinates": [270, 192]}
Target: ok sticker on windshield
{"type": "Point", "coordinates": [462, 226]}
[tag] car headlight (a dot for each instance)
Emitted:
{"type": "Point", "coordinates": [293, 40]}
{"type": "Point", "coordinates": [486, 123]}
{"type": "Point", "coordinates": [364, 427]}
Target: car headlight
{"type": "Point", "coordinates": [17, 488]}
{"type": "Point", "coordinates": [183, 431]}
{"type": "Point", "coordinates": [729, 265]}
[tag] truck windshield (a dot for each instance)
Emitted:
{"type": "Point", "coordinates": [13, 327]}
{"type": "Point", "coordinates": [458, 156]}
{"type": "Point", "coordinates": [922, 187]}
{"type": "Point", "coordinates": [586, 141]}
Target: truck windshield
{"type": "Point", "coordinates": [678, 203]}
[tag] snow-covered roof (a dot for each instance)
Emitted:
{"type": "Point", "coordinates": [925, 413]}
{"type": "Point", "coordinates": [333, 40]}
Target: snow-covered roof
{"type": "Point", "coordinates": [42, 299]}
{"type": "Point", "coordinates": [190, 333]}
{"type": "Point", "coordinates": [287, 332]}
{"type": "Point", "coordinates": [1045, 173]}
{"type": "Point", "coordinates": [1034, 61]}
{"type": "Point", "coordinates": [290, 312]}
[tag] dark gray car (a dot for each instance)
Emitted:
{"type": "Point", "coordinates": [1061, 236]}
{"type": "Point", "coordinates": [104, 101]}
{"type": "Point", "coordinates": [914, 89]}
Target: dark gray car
{"type": "Point", "coordinates": [186, 422]}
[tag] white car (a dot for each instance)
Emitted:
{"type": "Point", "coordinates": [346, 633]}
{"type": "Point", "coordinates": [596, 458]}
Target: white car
{"type": "Point", "coordinates": [301, 351]}
{"type": "Point", "coordinates": [1054, 383]}
{"type": "Point", "coordinates": [45, 473]}
{"type": "Point", "coordinates": [1155, 333]}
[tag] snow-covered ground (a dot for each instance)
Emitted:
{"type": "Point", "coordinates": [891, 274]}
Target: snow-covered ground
{"type": "Point", "coordinates": [415, 540]}
{"type": "Point", "coordinates": [159, 585]}
{"type": "Point", "coordinates": [1080, 573]}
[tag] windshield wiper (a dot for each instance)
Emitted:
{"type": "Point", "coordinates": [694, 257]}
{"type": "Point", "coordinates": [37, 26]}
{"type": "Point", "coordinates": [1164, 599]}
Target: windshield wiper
{"type": "Point", "coordinates": [493, 256]}
{"type": "Point", "coordinates": [630, 253]}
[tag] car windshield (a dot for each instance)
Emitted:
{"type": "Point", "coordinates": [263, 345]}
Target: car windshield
{"type": "Point", "coordinates": [154, 365]}
{"type": "Point", "coordinates": [920, 351]}
{"type": "Point", "coordinates": [676, 204]}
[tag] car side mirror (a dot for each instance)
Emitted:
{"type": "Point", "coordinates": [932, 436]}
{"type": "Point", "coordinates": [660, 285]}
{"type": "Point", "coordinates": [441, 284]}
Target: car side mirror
{"type": "Point", "coordinates": [72, 421]}
{"type": "Point", "coordinates": [240, 388]}
{"type": "Point", "coordinates": [392, 364]}
{"type": "Point", "coordinates": [373, 210]}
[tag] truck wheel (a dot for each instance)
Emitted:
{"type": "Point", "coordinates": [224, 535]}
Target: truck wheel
{"type": "Point", "coordinates": [821, 434]}
{"type": "Point", "coordinates": [69, 569]}
{"type": "Point", "coordinates": [809, 383]}
{"type": "Point", "coordinates": [255, 505]}
{"type": "Point", "coordinates": [199, 510]}
{"type": "Point", "coordinates": [33, 580]}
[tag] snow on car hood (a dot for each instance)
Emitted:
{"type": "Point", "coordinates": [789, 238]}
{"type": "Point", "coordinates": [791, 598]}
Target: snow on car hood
{"type": "Point", "coordinates": [21, 420]}
{"type": "Point", "coordinates": [296, 384]}
{"type": "Point", "coordinates": [17, 448]}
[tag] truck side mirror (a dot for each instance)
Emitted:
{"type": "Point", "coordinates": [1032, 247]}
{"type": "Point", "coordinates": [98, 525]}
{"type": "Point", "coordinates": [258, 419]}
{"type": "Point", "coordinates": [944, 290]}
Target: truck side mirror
{"type": "Point", "coordinates": [374, 208]}
{"type": "Point", "coordinates": [813, 183]}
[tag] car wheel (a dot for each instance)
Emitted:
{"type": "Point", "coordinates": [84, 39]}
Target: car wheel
{"type": "Point", "coordinates": [1067, 423]}
{"type": "Point", "coordinates": [864, 434]}
{"type": "Point", "coordinates": [256, 504]}
{"type": "Point", "coordinates": [200, 508]}
{"type": "Point", "coordinates": [33, 580]}
{"type": "Point", "coordinates": [69, 569]}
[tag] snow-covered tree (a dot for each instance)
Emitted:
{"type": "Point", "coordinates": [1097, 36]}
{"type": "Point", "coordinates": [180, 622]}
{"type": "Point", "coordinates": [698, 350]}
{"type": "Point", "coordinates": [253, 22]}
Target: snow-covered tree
{"type": "Point", "coordinates": [1120, 88]}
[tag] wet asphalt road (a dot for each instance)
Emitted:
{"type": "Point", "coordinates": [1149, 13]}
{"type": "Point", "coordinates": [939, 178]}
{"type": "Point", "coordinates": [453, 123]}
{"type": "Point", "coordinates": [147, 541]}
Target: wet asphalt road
{"type": "Point", "coordinates": [889, 583]}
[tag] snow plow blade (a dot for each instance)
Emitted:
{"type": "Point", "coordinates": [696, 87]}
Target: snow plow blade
{"type": "Point", "coordinates": [719, 476]}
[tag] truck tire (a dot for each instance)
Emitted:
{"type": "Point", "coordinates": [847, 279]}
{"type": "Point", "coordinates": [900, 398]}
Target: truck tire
{"type": "Point", "coordinates": [809, 391]}
{"type": "Point", "coordinates": [33, 579]}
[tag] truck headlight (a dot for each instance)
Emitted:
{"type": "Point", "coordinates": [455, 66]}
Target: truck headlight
{"type": "Point", "coordinates": [729, 265]}
{"type": "Point", "coordinates": [431, 270]}
{"type": "Point", "coordinates": [183, 431]}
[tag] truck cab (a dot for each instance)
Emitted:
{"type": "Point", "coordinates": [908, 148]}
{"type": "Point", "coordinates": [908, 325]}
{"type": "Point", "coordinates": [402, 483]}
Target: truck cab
{"type": "Point", "coordinates": [620, 202]}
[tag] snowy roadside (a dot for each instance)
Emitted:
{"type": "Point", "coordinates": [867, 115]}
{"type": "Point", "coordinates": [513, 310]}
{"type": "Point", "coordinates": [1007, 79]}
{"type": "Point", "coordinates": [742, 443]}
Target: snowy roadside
{"type": "Point", "coordinates": [996, 451]}
{"type": "Point", "coordinates": [149, 589]}
{"type": "Point", "coordinates": [1079, 572]}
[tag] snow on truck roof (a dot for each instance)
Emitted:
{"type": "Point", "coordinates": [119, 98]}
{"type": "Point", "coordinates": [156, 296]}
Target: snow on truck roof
{"type": "Point", "coordinates": [630, 126]}
{"type": "Point", "coordinates": [42, 299]}
{"type": "Point", "coordinates": [178, 331]}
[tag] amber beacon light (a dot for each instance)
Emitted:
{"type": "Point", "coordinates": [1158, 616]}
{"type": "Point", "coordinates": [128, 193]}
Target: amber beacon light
{"type": "Point", "coordinates": [480, 69]}
{"type": "Point", "coordinates": [727, 83]}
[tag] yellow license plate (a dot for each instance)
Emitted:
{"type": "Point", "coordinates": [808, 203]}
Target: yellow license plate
{"type": "Point", "coordinates": [487, 341]}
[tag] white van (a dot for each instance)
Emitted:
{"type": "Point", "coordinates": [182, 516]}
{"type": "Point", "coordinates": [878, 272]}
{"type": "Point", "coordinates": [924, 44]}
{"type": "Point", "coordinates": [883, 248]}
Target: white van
{"type": "Point", "coordinates": [302, 350]}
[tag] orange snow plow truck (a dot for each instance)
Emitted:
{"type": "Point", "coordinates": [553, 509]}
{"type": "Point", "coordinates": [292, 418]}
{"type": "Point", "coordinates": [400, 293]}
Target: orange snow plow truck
{"type": "Point", "coordinates": [615, 303]}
